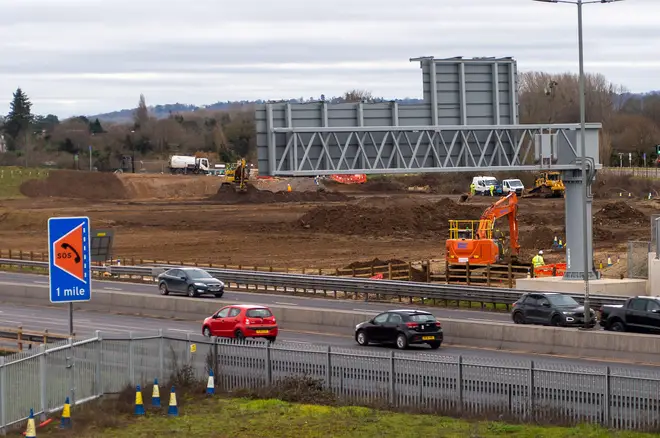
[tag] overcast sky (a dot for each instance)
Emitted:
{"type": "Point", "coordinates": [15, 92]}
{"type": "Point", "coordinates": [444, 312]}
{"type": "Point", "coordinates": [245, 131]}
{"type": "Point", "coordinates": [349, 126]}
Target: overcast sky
{"type": "Point", "coordinates": [91, 56]}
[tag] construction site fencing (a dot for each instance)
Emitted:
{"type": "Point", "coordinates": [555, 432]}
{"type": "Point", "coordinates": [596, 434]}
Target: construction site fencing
{"type": "Point", "coordinates": [638, 259]}
{"type": "Point", "coordinates": [523, 390]}
{"type": "Point", "coordinates": [496, 275]}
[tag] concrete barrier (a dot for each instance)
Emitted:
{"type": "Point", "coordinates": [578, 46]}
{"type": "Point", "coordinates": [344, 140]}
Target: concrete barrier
{"type": "Point", "coordinates": [500, 336]}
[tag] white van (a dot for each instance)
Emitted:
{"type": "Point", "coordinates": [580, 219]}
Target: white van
{"type": "Point", "coordinates": [482, 184]}
{"type": "Point", "coordinates": [513, 185]}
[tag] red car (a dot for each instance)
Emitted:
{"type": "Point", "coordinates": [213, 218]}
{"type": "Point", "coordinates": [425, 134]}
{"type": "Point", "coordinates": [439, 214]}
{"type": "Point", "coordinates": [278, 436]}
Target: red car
{"type": "Point", "coordinates": [241, 321]}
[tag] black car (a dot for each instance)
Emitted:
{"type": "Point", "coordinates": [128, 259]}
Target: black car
{"type": "Point", "coordinates": [400, 327]}
{"type": "Point", "coordinates": [547, 308]}
{"type": "Point", "coordinates": [191, 281]}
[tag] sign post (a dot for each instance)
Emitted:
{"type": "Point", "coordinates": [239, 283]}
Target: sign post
{"type": "Point", "coordinates": [70, 267]}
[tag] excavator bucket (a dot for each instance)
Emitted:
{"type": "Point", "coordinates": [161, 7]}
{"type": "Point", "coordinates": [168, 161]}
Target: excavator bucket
{"type": "Point", "coordinates": [464, 197]}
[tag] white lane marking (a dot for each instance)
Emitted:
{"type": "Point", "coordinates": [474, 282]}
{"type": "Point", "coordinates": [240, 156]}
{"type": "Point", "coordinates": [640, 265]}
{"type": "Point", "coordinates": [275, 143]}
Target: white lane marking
{"type": "Point", "coordinates": [113, 288]}
{"type": "Point", "coordinates": [10, 321]}
{"type": "Point", "coordinates": [285, 304]}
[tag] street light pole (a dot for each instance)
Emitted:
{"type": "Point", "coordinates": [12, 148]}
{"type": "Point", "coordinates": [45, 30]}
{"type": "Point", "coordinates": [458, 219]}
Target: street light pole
{"type": "Point", "coordinates": [583, 146]}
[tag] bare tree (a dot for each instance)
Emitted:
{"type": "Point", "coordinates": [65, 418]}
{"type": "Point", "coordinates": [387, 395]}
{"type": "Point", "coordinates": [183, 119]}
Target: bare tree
{"type": "Point", "coordinates": [356, 95]}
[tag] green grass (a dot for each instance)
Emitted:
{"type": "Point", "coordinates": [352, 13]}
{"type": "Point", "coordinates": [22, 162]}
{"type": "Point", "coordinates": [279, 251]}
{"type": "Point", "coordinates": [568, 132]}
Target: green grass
{"type": "Point", "coordinates": [230, 418]}
{"type": "Point", "coordinates": [12, 177]}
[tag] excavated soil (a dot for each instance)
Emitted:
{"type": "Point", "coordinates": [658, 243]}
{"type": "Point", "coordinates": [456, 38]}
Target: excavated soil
{"type": "Point", "coordinates": [227, 195]}
{"type": "Point", "coordinates": [398, 219]}
{"type": "Point", "coordinates": [620, 213]}
{"type": "Point", "coordinates": [76, 185]}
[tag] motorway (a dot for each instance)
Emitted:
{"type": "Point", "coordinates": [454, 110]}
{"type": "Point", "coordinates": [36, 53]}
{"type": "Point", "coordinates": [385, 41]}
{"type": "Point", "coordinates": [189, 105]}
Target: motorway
{"type": "Point", "coordinates": [55, 319]}
{"type": "Point", "coordinates": [232, 296]}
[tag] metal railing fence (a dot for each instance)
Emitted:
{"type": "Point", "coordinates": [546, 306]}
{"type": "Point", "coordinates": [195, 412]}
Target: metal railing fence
{"type": "Point", "coordinates": [85, 370]}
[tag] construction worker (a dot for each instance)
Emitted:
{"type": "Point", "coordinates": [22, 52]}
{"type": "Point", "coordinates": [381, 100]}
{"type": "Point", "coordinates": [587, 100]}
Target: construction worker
{"type": "Point", "coordinates": [472, 189]}
{"type": "Point", "coordinates": [492, 190]}
{"type": "Point", "coordinates": [538, 260]}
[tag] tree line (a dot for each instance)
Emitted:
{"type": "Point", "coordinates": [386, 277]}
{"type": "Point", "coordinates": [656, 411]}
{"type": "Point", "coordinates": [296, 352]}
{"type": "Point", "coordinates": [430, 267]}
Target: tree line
{"type": "Point", "coordinates": [631, 124]}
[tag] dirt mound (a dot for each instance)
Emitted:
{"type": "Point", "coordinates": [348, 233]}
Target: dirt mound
{"type": "Point", "coordinates": [619, 213]}
{"type": "Point", "coordinates": [538, 238]}
{"type": "Point", "coordinates": [150, 186]}
{"type": "Point", "coordinates": [227, 195]}
{"type": "Point", "coordinates": [398, 219]}
{"type": "Point", "coordinates": [381, 185]}
{"type": "Point", "coordinates": [76, 185]}
{"type": "Point", "coordinates": [382, 267]}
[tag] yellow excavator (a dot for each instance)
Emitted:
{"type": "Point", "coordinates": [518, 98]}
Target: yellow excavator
{"type": "Point", "coordinates": [547, 184]}
{"type": "Point", "coordinates": [236, 176]}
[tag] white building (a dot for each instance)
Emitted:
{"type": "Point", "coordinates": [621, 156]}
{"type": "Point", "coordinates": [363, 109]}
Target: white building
{"type": "Point", "coordinates": [3, 144]}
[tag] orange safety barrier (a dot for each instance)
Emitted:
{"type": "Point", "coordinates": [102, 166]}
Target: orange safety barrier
{"type": "Point", "coordinates": [556, 270]}
{"type": "Point", "coordinates": [350, 179]}
{"type": "Point", "coordinates": [377, 277]}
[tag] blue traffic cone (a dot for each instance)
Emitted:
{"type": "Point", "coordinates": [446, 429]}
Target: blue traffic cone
{"type": "Point", "coordinates": [139, 406]}
{"type": "Point", "coordinates": [173, 410]}
{"type": "Point", "coordinates": [31, 430]}
{"type": "Point", "coordinates": [65, 423]}
{"type": "Point", "coordinates": [210, 386]}
{"type": "Point", "coordinates": [155, 395]}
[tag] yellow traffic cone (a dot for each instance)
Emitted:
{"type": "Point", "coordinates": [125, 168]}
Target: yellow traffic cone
{"type": "Point", "coordinates": [31, 430]}
{"type": "Point", "coordinates": [288, 187]}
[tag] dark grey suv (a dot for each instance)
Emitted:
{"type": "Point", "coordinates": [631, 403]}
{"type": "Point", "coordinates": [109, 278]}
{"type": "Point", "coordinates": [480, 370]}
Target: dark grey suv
{"type": "Point", "coordinates": [190, 281]}
{"type": "Point", "coordinates": [402, 328]}
{"type": "Point", "coordinates": [549, 308]}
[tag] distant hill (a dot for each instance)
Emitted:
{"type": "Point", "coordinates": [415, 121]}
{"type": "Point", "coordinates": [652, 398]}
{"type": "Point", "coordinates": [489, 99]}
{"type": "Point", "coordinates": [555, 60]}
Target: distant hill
{"type": "Point", "coordinates": [164, 111]}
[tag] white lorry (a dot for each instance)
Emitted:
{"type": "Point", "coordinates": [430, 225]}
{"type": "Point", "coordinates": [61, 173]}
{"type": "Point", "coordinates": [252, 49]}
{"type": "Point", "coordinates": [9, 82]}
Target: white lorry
{"type": "Point", "coordinates": [512, 185]}
{"type": "Point", "coordinates": [188, 164]}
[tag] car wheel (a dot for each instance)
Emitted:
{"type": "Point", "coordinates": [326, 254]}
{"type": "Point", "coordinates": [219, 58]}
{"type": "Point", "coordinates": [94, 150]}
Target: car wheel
{"type": "Point", "coordinates": [618, 326]}
{"type": "Point", "coordinates": [518, 318]}
{"type": "Point", "coordinates": [401, 342]}
{"type": "Point", "coordinates": [163, 289]}
{"type": "Point", "coordinates": [271, 339]}
{"type": "Point", "coordinates": [555, 321]}
{"type": "Point", "coordinates": [239, 335]}
{"type": "Point", "coordinates": [434, 345]}
{"type": "Point", "coordinates": [207, 332]}
{"type": "Point", "coordinates": [361, 338]}
{"type": "Point", "coordinates": [191, 291]}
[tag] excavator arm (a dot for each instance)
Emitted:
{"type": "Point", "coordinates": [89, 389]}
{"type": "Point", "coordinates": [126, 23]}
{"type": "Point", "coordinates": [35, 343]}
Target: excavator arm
{"type": "Point", "coordinates": [506, 206]}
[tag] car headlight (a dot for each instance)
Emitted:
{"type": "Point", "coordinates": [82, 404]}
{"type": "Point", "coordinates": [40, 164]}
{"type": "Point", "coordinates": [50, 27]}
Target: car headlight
{"type": "Point", "coordinates": [568, 313]}
{"type": "Point", "coordinates": [200, 284]}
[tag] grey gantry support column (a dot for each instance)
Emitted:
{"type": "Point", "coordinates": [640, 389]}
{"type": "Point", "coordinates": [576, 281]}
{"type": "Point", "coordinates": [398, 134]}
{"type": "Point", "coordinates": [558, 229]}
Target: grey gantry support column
{"type": "Point", "coordinates": [574, 236]}
{"type": "Point", "coordinates": [657, 238]}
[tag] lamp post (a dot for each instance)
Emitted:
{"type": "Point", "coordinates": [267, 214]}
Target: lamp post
{"type": "Point", "coordinates": [583, 152]}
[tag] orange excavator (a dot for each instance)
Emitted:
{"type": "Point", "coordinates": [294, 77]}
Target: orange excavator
{"type": "Point", "coordinates": [473, 242]}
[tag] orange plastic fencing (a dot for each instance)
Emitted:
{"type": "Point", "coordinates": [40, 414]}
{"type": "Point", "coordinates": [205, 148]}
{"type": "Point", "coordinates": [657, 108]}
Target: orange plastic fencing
{"type": "Point", "coordinates": [350, 179]}
{"type": "Point", "coordinates": [556, 270]}
{"type": "Point", "coordinates": [377, 277]}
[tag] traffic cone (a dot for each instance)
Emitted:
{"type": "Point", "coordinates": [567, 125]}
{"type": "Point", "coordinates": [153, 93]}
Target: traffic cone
{"type": "Point", "coordinates": [173, 410]}
{"type": "Point", "coordinates": [65, 423]}
{"type": "Point", "coordinates": [210, 386]}
{"type": "Point", "coordinates": [139, 406]}
{"type": "Point", "coordinates": [288, 187]}
{"type": "Point", "coordinates": [31, 430]}
{"type": "Point", "coordinates": [155, 395]}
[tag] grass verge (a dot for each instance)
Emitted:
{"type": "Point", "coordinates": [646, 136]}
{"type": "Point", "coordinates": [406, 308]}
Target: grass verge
{"type": "Point", "coordinates": [12, 177]}
{"type": "Point", "coordinates": [248, 418]}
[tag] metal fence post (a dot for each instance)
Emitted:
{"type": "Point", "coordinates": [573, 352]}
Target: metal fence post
{"type": "Point", "coordinates": [392, 380]}
{"type": "Point", "coordinates": [530, 392]}
{"type": "Point", "coordinates": [269, 368]}
{"type": "Point", "coordinates": [328, 368]}
{"type": "Point", "coordinates": [3, 397]}
{"type": "Point", "coordinates": [42, 381]}
{"type": "Point", "coordinates": [72, 372]}
{"type": "Point", "coordinates": [161, 356]}
{"type": "Point", "coordinates": [99, 364]}
{"type": "Point", "coordinates": [459, 383]}
{"type": "Point", "coordinates": [131, 359]}
{"type": "Point", "coordinates": [606, 402]}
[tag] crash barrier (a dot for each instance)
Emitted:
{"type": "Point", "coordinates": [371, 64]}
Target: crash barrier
{"type": "Point", "coordinates": [615, 397]}
{"type": "Point", "coordinates": [339, 287]}
{"type": "Point", "coordinates": [490, 275]}
{"type": "Point", "coordinates": [349, 179]}
{"type": "Point", "coordinates": [19, 339]}
{"type": "Point", "coordinates": [553, 270]}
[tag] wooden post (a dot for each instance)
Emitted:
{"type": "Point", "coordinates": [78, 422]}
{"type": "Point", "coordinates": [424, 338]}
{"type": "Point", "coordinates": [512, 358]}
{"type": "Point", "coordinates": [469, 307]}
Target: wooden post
{"type": "Point", "coordinates": [389, 271]}
{"type": "Point", "coordinates": [447, 271]}
{"type": "Point", "coordinates": [510, 275]}
{"type": "Point", "coordinates": [372, 269]}
{"type": "Point", "coordinates": [320, 271]}
{"type": "Point", "coordinates": [19, 337]}
{"type": "Point", "coordinates": [303, 271]}
{"type": "Point", "coordinates": [271, 269]}
{"type": "Point", "coordinates": [428, 271]}
{"type": "Point", "coordinates": [488, 275]}
{"type": "Point", "coordinates": [45, 336]}
{"type": "Point", "coordinates": [31, 256]}
{"type": "Point", "coordinates": [410, 272]}
{"type": "Point", "coordinates": [353, 271]}
{"type": "Point", "coordinates": [10, 255]}
{"type": "Point", "coordinates": [467, 272]}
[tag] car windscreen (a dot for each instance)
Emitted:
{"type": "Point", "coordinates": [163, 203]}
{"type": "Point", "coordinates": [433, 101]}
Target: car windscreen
{"type": "Point", "coordinates": [422, 317]}
{"type": "Point", "coordinates": [515, 183]}
{"type": "Point", "coordinates": [562, 300]}
{"type": "Point", "coordinates": [490, 181]}
{"type": "Point", "coordinates": [199, 274]}
{"type": "Point", "coordinates": [258, 313]}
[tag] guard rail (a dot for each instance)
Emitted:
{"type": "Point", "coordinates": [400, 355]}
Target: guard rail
{"type": "Point", "coordinates": [356, 288]}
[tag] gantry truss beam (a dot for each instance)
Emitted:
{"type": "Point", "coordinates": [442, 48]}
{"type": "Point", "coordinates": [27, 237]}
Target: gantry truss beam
{"type": "Point", "coordinates": [311, 151]}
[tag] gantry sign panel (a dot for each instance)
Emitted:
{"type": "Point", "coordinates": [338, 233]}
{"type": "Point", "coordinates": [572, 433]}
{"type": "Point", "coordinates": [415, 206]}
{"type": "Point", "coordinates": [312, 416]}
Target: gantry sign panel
{"type": "Point", "coordinates": [479, 91]}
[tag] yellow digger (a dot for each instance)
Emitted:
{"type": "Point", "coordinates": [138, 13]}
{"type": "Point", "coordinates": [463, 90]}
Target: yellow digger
{"type": "Point", "coordinates": [547, 184]}
{"type": "Point", "coordinates": [236, 176]}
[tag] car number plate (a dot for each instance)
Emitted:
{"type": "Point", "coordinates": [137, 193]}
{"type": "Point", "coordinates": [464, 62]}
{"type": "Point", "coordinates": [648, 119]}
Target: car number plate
{"type": "Point", "coordinates": [262, 332]}
{"type": "Point", "coordinates": [428, 338]}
